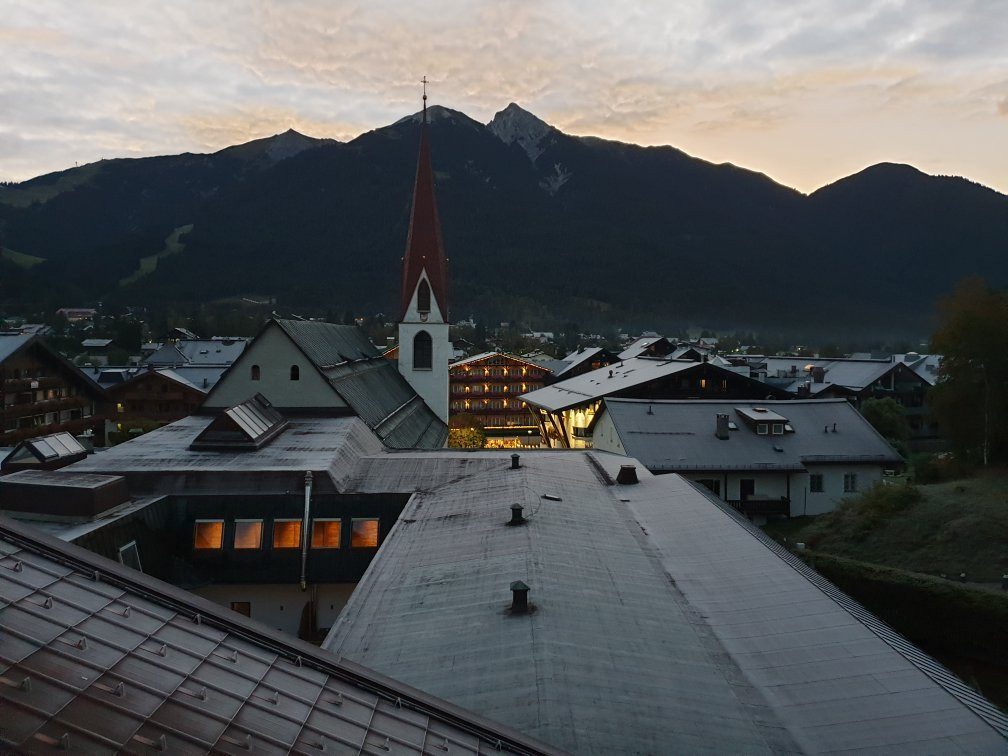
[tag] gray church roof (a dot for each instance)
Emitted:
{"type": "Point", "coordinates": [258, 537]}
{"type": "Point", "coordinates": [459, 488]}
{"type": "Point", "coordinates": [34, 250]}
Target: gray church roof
{"type": "Point", "coordinates": [679, 435]}
{"type": "Point", "coordinates": [97, 657]}
{"type": "Point", "coordinates": [660, 622]}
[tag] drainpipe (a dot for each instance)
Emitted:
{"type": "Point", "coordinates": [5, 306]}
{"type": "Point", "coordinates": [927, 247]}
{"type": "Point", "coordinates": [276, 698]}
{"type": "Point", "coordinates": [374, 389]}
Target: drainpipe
{"type": "Point", "coordinates": [304, 528]}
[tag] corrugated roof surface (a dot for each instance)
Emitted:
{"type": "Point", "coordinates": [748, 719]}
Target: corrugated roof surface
{"type": "Point", "coordinates": [660, 623]}
{"type": "Point", "coordinates": [95, 657]}
{"type": "Point", "coordinates": [328, 344]}
{"type": "Point", "coordinates": [853, 374]}
{"type": "Point", "coordinates": [679, 435]}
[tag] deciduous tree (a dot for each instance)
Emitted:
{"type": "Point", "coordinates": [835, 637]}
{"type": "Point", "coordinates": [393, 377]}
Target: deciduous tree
{"type": "Point", "coordinates": [970, 400]}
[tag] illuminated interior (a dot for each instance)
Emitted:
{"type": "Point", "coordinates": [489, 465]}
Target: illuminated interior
{"type": "Point", "coordinates": [209, 534]}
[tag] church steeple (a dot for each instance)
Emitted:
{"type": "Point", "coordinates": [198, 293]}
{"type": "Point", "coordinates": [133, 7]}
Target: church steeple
{"type": "Point", "coordinates": [424, 346]}
{"type": "Point", "coordinates": [424, 250]}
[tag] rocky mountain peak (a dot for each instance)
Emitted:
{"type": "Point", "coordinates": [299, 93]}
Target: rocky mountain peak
{"type": "Point", "coordinates": [514, 124]}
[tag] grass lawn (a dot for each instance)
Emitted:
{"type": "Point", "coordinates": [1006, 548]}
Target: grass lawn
{"type": "Point", "coordinates": [19, 258]}
{"type": "Point", "coordinates": [941, 528]}
{"type": "Point", "coordinates": [148, 265]}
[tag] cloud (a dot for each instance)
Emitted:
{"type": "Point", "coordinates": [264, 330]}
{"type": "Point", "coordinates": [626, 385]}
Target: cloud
{"type": "Point", "coordinates": [144, 77]}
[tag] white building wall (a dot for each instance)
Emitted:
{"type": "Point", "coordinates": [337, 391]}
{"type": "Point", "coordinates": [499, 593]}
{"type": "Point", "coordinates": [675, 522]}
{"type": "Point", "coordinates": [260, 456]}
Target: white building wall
{"type": "Point", "coordinates": [280, 605]}
{"type": "Point", "coordinates": [274, 353]}
{"type": "Point", "coordinates": [807, 502]}
{"type": "Point", "coordinates": [431, 384]}
{"type": "Point", "coordinates": [605, 437]}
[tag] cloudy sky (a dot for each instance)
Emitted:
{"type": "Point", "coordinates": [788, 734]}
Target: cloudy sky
{"type": "Point", "coordinates": [806, 92]}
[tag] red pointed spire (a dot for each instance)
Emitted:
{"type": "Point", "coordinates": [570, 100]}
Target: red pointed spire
{"type": "Point", "coordinates": [424, 251]}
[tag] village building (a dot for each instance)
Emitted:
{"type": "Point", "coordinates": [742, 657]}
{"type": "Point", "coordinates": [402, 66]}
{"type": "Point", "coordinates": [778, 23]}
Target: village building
{"type": "Point", "coordinates": [566, 409]}
{"type": "Point", "coordinates": [583, 360]}
{"type": "Point", "coordinates": [216, 352]}
{"type": "Point", "coordinates": [766, 458]}
{"type": "Point", "coordinates": [317, 369]}
{"type": "Point", "coordinates": [150, 398]}
{"type": "Point", "coordinates": [424, 349]}
{"type": "Point", "coordinates": [41, 392]}
{"type": "Point", "coordinates": [487, 386]}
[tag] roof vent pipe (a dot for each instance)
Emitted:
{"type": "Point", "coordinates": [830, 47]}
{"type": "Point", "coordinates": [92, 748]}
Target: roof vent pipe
{"type": "Point", "coordinates": [516, 515]}
{"type": "Point", "coordinates": [519, 597]}
{"type": "Point", "coordinates": [721, 427]}
{"type": "Point", "coordinates": [834, 427]}
{"type": "Point", "coordinates": [627, 475]}
{"type": "Point", "coordinates": [515, 461]}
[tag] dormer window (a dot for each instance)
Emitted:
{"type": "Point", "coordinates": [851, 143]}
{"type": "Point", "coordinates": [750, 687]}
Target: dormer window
{"type": "Point", "coordinates": [777, 428]}
{"type": "Point", "coordinates": [255, 372]}
{"type": "Point", "coordinates": [762, 429]}
{"type": "Point", "coordinates": [423, 297]}
{"type": "Point", "coordinates": [295, 373]}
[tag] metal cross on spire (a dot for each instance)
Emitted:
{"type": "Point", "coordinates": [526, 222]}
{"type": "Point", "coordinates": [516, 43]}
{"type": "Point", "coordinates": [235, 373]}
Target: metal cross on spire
{"type": "Point", "coordinates": [424, 82]}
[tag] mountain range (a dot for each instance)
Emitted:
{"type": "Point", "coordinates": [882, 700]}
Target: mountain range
{"type": "Point", "coordinates": [539, 226]}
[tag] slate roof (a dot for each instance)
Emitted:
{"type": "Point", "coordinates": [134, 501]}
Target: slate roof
{"type": "Point", "coordinates": [847, 373]}
{"type": "Point", "coordinates": [674, 435]}
{"type": "Point", "coordinates": [198, 352]}
{"type": "Point", "coordinates": [662, 623]}
{"type": "Point", "coordinates": [96, 657]}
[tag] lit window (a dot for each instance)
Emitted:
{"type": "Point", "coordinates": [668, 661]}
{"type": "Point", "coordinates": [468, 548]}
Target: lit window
{"type": "Point", "coordinates": [325, 534]}
{"type": "Point", "coordinates": [850, 483]}
{"type": "Point", "coordinates": [703, 383]}
{"type": "Point", "coordinates": [248, 534]}
{"type": "Point", "coordinates": [816, 483]}
{"type": "Point", "coordinates": [209, 534]}
{"type": "Point", "coordinates": [295, 373]}
{"type": "Point", "coordinates": [364, 533]}
{"type": "Point", "coordinates": [255, 372]}
{"type": "Point", "coordinates": [120, 407]}
{"type": "Point", "coordinates": [778, 428]}
{"type": "Point", "coordinates": [761, 429]}
{"type": "Point", "coordinates": [286, 534]}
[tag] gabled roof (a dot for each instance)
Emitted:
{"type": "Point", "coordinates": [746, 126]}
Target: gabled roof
{"type": "Point", "coordinates": [671, 435]}
{"type": "Point", "coordinates": [46, 450]}
{"type": "Point", "coordinates": [488, 355]}
{"type": "Point", "coordinates": [11, 344]}
{"type": "Point", "coordinates": [98, 657]}
{"type": "Point", "coordinates": [661, 622]}
{"type": "Point", "coordinates": [249, 425]}
{"type": "Point", "coordinates": [14, 342]}
{"type": "Point", "coordinates": [424, 249]}
{"type": "Point", "coordinates": [366, 381]}
{"type": "Point", "coordinates": [621, 376]}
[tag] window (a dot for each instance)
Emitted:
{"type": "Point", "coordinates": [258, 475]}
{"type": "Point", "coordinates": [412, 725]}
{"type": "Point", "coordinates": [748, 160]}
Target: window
{"type": "Point", "coordinates": [242, 607]}
{"type": "Point", "coordinates": [325, 534]}
{"type": "Point", "coordinates": [286, 534]}
{"type": "Point", "coordinates": [850, 483]}
{"type": "Point", "coordinates": [778, 428]}
{"type": "Point", "coordinates": [761, 429]}
{"type": "Point", "coordinates": [364, 533]}
{"type": "Point", "coordinates": [423, 297]}
{"type": "Point", "coordinates": [255, 372]}
{"type": "Point", "coordinates": [248, 534]}
{"type": "Point", "coordinates": [423, 351]}
{"type": "Point", "coordinates": [209, 534]}
{"type": "Point", "coordinates": [295, 373]}
{"type": "Point", "coordinates": [815, 483]}
{"type": "Point", "coordinates": [129, 556]}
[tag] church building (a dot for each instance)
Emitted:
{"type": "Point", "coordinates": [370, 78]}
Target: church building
{"type": "Point", "coordinates": [424, 348]}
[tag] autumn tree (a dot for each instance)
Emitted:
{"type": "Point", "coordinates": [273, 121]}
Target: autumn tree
{"type": "Point", "coordinates": [887, 416]}
{"type": "Point", "coordinates": [970, 400]}
{"type": "Point", "coordinates": [465, 432]}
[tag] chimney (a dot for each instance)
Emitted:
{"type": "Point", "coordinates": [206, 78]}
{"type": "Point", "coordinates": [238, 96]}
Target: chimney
{"type": "Point", "coordinates": [627, 475]}
{"type": "Point", "coordinates": [818, 374]}
{"type": "Point", "coordinates": [516, 515]}
{"type": "Point", "coordinates": [515, 461]}
{"type": "Point", "coordinates": [610, 373]}
{"type": "Point", "coordinates": [721, 427]}
{"type": "Point", "coordinates": [519, 597]}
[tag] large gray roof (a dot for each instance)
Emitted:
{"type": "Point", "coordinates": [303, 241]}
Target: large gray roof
{"type": "Point", "coordinates": [661, 623]}
{"type": "Point", "coordinates": [848, 373]}
{"type": "Point", "coordinates": [97, 657]}
{"type": "Point", "coordinates": [679, 435]}
{"type": "Point", "coordinates": [161, 460]}
{"type": "Point", "coordinates": [328, 344]}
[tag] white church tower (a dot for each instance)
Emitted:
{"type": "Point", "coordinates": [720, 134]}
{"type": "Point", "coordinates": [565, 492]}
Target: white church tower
{"type": "Point", "coordinates": [424, 348]}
